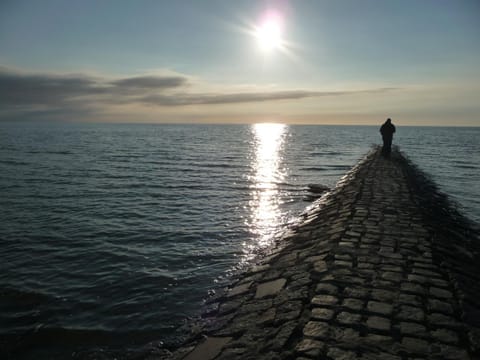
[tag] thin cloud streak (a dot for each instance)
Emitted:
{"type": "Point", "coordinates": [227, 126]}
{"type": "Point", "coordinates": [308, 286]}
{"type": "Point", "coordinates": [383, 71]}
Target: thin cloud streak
{"type": "Point", "coordinates": [151, 82]}
{"type": "Point", "coordinates": [236, 98]}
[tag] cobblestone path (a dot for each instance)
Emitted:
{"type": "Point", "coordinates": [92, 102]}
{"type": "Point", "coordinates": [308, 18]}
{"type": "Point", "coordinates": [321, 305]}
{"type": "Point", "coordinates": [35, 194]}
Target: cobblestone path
{"type": "Point", "coordinates": [360, 278]}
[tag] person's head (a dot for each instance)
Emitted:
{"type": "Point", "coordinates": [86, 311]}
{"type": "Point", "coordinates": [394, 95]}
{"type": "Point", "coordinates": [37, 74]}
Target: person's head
{"type": "Point", "coordinates": [389, 121]}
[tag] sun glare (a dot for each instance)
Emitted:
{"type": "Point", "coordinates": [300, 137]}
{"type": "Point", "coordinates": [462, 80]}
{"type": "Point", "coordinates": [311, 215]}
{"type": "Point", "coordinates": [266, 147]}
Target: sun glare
{"type": "Point", "coordinates": [269, 33]}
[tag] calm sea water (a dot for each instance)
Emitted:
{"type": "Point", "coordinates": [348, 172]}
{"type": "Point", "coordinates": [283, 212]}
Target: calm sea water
{"type": "Point", "coordinates": [111, 235]}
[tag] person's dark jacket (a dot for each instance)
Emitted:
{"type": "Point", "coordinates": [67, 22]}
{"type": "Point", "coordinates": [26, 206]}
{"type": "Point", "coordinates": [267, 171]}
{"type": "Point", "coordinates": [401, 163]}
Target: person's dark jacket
{"type": "Point", "coordinates": [387, 129]}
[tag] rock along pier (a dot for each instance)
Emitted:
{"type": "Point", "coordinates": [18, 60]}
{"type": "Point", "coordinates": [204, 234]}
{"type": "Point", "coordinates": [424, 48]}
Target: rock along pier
{"type": "Point", "coordinates": [382, 267]}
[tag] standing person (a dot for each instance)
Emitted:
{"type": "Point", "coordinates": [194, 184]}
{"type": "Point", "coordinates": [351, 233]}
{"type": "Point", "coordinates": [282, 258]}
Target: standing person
{"type": "Point", "coordinates": [387, 130]}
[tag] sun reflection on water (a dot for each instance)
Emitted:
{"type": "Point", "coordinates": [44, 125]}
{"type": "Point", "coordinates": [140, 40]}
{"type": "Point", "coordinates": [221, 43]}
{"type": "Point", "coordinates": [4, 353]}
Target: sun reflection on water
{"type": "Point", "coordinates": [267, 174]}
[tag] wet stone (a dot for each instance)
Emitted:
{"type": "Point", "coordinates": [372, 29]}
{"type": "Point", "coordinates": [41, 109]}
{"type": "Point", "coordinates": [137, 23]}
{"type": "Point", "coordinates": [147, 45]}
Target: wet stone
{"type": "Point", "coordinates": [353, 304]}
{"type": "Point", "coordinates": [347, 336]}
{"type": "Point", "coordinates": [320, 267]}
{"type": "Point", "coordinates": [413, 288]}
{"type": "Point", "coordinates": [452, 353]}
{"type": "Point", "coordinates": [442, 320]}
{"type": "Point", "coordinates": [340, 354]}
{"type": "Point", "coordinates": [272, 275]}
{"type": "Point", "coordinates": [365, 266]}
{"type": "Point", "coordinates": [324, 288]}
{"type": "Point", "coordinates": [255, 306]}
{"type": "Point", "coordinates": [322, 314]}
{"type": "Point", "coordinates": [411, 313]}
{"type": "Point", "coordinates": [269, 288]}
{"type": "Point", "coordinates": [407, 328]}
{"type": "Point", "coordinates": [379, 307]}
{"type": "Point", "coordinates": [379, 356]}
{"type": "Point", "coordinates": [355, 292]}
{"type": "Point", "coordinates": [310, 347]}
{"type": "Point", "coordinates": [240, 289]}
{"type": "Point", "coordinates": [383, 295]}
{"type": "Point", "coordinates": [287, 316]}
{"type": "Point", "coordinates": [343, 263]}
{"type": "Point", "coordinates": [440, 306]}
{"type": "Point", "coordinates": [316, 329]}
{"type": "Point", "coordinates": [209, 349]}
{"type": "Point", "coordinates": [258, 268]}
{"type": "Point", "coordinates": [292, 294]}
{"type": "Point", "coordinates": [378, 323]}
{"type": "Point", "coordinates": [229, 306]}
{"type": "Point", "coordinates": [283, 335]}
{"type": "Point", "coordinates": [320, 300]}
{"type": "Point", "coordinates": [440, 293]}
{"type": "Point", "coordinates": [267, 317]}
{"type": "Point", "coordinates": [446, 336]}
{"type": "Point", "coordinates": [348, 318]}
{"type": "Point", "coordinates": [418, 279]}
{"type": "Point", "coordinates": [378, 340]}
{"type": "Point", "coordinates": [410, 299]}
{"type": "Point", "coordinates": [415, 345]}
{"type": "Point", "coordinates": [392, 276]}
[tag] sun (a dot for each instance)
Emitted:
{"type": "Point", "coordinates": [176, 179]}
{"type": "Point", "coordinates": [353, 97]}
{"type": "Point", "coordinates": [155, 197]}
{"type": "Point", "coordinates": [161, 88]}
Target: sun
{"type": "Point", "coordinates": [269, 33]}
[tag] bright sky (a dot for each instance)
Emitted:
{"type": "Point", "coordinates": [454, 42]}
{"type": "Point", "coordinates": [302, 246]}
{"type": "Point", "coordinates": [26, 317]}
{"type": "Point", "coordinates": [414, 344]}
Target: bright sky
{"type": "Point", "coordinates": [342, 61]}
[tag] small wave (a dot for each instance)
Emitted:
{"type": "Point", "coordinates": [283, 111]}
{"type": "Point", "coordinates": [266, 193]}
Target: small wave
{"type": "Point", "coordinates": [61, 152]}
{"type": "Point", "coordinates": [13, 162]}
{"type": "Point", "coordinates": [314, 168]}
{"type": "Point", "coordinates": [322, 153]}
{"type": "Point", "coordinates": [23, 297]}
{"type": "Point", "coordinates": [466, 166]}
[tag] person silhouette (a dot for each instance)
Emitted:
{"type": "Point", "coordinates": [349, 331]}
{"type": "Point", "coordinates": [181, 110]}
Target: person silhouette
{"type": "Point", "coordinates": [387, 130]}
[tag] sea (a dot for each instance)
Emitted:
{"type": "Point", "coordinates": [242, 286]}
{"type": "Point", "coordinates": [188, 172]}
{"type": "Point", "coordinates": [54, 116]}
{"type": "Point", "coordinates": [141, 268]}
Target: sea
{"type": "Point", "coordinates": [112, 235]}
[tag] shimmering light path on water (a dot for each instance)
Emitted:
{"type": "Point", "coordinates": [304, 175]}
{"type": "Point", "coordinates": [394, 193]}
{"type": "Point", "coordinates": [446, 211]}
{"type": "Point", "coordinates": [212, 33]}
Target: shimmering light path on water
{"type": "Point", "coordinates": [266, 201]}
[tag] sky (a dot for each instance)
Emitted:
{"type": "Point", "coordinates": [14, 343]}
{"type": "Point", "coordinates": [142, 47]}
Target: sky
{"type": "Point", "coordinates": [217, 61]}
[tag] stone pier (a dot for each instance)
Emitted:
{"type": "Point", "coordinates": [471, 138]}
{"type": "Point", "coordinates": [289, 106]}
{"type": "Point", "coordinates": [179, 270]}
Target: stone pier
{"type": "Point", "coordinates": [382, 267]}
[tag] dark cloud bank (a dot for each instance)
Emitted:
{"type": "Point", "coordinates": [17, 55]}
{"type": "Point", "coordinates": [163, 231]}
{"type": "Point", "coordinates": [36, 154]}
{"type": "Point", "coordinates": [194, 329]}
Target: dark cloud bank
{"type": "Point", "coordinates": [23, 93]}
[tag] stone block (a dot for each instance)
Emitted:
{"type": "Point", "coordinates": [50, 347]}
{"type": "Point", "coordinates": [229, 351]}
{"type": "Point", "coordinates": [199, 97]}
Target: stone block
{"type": "Point", "coordinates": [411, 313]}
{"type": "Point", "coordinates": [322, 314]}
{"type": "Point", "coordinates": [325, 288]}
{"type": "Point", "coordinates": [445, 336]}
{"type": "Point", "coordinates": [347, 318]}
{"type": "Point", "coordinates": [440, 293]}
{"type": "Point", "coordinates": [269, 288]}
{"type": "Point", "coordinates": [408, 328]}
{"type": "Point", "coordinates": [415, 346]}
{"type": "Point", "coordinates": [414, 288]}
{"type": "Point", "coordinates": [378, 323]}
{"type": "Point", "coordinates": [316, 329]}
{"type": "Point", "coordinates": [348, 337]}
{"type": "Point", "coordinates": [310, 347]}
{"type": "Point", "coordinates": [409, 299]}
{"type": "Point", "coordinates": [379, 307]}
{"type": "Point", "coordinates": [209, 349]}
{"type": "Point", "coordinates": [437, 319]}
{"type": "Point", "coordinates": [320, 267]}
{"type": "Point", "coordinates": [240, 289]}
{"type": "Point", "coordinates": [340, 354]}
{"type": "Point", "coordinates": [440, 306]}
{"type": "Point", "coordinates": [355, 292]}
{"type": "Point", "coordinates": [383, 295]}
{"type": "Point", "coordinates": [353, 304]}
{"type": "Point", "coordinates": [321, 300]}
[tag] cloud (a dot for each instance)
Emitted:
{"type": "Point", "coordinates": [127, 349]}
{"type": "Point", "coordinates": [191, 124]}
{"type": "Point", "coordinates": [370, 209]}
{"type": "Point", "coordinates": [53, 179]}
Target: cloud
{"type": "Point", "coordinates": [151, 82]}
{"type": "Point", "coordinates": [26, 93]}
{"type": "Point", "coordinates": [236, 98]}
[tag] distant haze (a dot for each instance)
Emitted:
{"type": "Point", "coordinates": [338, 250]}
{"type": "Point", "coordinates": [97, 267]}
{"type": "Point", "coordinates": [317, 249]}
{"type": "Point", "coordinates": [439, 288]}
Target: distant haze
{"type": "Point", "coordinates": [310, 62]}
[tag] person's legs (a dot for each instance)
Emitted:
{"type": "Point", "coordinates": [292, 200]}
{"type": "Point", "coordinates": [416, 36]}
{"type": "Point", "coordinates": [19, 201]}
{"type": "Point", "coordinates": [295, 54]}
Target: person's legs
{"type": "Point", "coordinates": [388, 145]}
